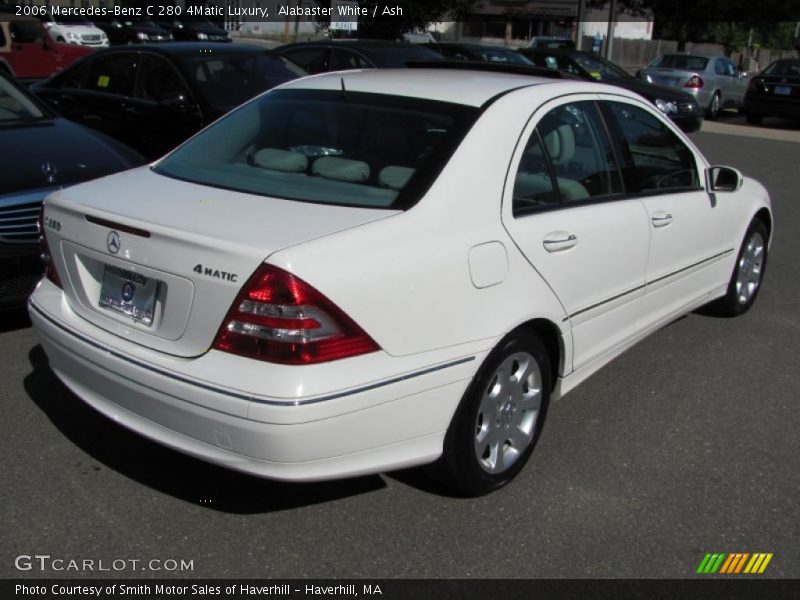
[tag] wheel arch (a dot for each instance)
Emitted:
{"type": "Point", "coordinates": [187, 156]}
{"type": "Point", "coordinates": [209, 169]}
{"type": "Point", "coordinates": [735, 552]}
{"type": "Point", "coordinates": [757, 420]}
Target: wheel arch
{"type": "Point", "coordinates": [765, 217]}
{"type": "Point", "coordinates": [551, 337]}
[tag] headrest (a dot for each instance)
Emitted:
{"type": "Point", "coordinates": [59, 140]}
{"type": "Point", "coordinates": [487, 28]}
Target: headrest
{"type": "Point", "coordinates": [280, 160]}
{"type": "Point", "coordinates": [341, 169]}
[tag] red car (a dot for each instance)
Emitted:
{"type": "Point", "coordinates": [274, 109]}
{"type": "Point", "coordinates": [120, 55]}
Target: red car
{"type": "Point", "coordinates": [27, 51]}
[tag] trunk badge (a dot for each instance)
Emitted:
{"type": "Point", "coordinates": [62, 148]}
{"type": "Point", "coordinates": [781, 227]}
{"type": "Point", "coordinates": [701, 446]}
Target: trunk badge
{"type": "Point", "coordinates": [113, 243]}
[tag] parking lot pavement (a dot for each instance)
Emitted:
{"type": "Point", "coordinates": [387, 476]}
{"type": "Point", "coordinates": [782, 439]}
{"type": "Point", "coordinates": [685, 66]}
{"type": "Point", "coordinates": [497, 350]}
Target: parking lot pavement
{"type": "Point", "coordinates": [685, 445]}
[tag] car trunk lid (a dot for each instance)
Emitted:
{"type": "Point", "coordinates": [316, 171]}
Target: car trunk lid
{"type": "Point", "coordinates": [159, 261]}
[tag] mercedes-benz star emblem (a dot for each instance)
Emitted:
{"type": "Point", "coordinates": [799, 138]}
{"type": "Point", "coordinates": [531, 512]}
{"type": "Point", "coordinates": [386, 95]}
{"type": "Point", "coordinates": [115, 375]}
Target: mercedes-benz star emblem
{"type": "Point", "coordinates": [127, 291]}
{"type": "Point", "coordinates": [112, 241]}
{"type": "Point", "coordinates": [49, 171]}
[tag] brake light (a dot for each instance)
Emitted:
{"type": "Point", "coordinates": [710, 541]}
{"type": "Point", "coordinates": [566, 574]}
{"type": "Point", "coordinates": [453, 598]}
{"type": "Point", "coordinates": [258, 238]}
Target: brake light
{"type": "Point", "coordinates": [279, 318]}
{"type": "Point", "coordinates": [695, 83]}
{"type": "Point", "coordinates": [47, 260]}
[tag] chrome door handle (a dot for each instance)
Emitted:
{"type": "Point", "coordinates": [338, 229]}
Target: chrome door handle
{"type": "Point", "coordinates": [559, 240]}
{"type": "Point", "coordinates": [661, 219]}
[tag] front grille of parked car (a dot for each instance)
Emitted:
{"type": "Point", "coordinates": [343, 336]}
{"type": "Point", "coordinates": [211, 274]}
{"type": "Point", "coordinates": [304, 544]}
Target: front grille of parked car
{"type": "Point", "coordinates": [19, 224]}
{"type": "Point", "coordinates": [218, 38]}
{"type": "Point", "coordinates": [90, 37]}
{"type": "Point", "coordinates": [687, 107]}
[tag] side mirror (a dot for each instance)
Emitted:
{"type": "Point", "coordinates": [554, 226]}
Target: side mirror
{"type": "Point", "coordinates": [723, 179]}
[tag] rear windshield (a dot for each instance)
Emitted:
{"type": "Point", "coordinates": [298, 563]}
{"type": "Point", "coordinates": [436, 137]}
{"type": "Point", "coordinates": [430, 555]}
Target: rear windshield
{"type": "Point", "coordinates": [681, 61]}
{"type": "Point", "coordinates": [391, 56]}
{"type": "Point", "coordinates": [330, 147]}
{"type": "Point", "coordinates": [790, 68]}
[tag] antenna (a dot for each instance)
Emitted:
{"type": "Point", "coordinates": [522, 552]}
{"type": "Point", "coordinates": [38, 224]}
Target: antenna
{"type": "Point", "coordinates": [344, 90]}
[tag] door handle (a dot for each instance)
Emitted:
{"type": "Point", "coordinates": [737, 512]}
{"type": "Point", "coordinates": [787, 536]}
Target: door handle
{"type": "Point", "coordinates": [661, 219]}
{"type": "Point", "coordinates": [559, 240]}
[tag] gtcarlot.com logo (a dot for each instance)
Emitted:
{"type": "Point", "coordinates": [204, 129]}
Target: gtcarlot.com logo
{"type": "Point", "coordinates": [46, 562]}
{"type": "Point", "coordinates": [734, 563]}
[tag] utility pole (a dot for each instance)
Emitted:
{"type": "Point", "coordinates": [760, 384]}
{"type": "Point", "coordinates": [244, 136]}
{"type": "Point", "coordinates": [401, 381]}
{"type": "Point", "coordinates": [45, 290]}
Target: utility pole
{"type": "Point", "coordinates": [579, 24]}
{"type": "Point", "coordinates": [612, 19]}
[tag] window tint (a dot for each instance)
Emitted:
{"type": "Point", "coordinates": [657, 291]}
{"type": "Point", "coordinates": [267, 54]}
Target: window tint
{"type": "Point", "coordinates": [313, 60]}
{"type": "Point", "coordinates": [2, 37]}
{"type": "Point", "coordinates": [533, 185]}
{"type": "Point", "coordinates": [159, 80]}
{"type": "Point", "coordinates": [75, 77]}
{"type": "Point", "coordinates": [681, 61]}
{"type": "Point", "coordinates": [657, 160]}
{"type": "Point", "coordinates": [26, 32]}
{"type": "Point", "coordinates": [347, 59]}
{"type": "Point", "coordinates": [113, 74]}
{"type": "Point", "coordinates": [719, 67]}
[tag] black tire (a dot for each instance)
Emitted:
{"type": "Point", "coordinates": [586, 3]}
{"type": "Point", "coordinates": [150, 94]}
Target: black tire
{"type": "Point", "coordinates": [737, 300]}
{"type": "Point", "coordinates": [712, 112]}
{"type": "Point", "coordinates": [754, 119]}
{"type": "Point", "coordinates": [460, 466]}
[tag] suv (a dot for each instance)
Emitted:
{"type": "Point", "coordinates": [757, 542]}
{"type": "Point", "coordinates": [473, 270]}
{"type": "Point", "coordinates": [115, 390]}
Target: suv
{"type": "Point", "coordinates": [28, 52]}
{"type": "Point", "coordinates": [75, 29]}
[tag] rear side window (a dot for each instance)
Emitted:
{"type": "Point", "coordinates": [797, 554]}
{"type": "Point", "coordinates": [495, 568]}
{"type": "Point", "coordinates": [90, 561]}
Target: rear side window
{"type": "Point", "coordinates": [312, 60]}
{"type": "Point", "coordinates": [113, 74]}
{"type": "Point", "coordinates": [2, 37]}
{"type": "Point", "coordinates": [656, 159]}
{"type": "Point", "coordinates": [26, 32]}
{"type": "Point", "coordinates": [347, 59]}
{"type": "Point", "coordinates": [352, 149]}
{"type": "Point", "coordinates": [568, 159]}
{"type": "Point", "coordinates": [158, 80]}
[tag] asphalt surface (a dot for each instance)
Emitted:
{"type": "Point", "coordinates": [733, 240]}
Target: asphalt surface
{"type": "Point", "coordinates": [684, 445]}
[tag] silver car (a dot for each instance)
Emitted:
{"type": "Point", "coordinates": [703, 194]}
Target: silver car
{"type": "Point", "coordinates": [714, 81]}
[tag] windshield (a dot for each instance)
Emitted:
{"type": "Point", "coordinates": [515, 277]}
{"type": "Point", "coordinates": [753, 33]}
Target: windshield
{"type": "Point", "coordinates": [15, 108]}
{"type": "Point", "coordinates": [681, 62]}
{"type": "Point", "coordinates": [601, 69]}
{"type": "Point", "coordinates": [330, 147]}
{"type": "Point", "coordinates": [225, 81]}
{"type": "Point", "coordinates": [502, 55]}
{"type": "Point", "coordinates": [72, 20]}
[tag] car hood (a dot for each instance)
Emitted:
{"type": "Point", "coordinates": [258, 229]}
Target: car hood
{"type": "Point", "coordinates": [652, 91]}
{"type": "Point", "coordinates": [55, 153]}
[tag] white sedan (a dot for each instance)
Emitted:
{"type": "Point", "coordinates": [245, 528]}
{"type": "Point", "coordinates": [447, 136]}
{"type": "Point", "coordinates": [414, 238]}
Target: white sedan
{"type": "Point", "coordinates": [368, 270]}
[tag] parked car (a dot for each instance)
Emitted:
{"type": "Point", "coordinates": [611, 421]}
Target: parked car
{"type": "Point", "coordinates": [354, 274]}
{"type": "Point", "coordinates": [318, 57]}
{"type": "Point", "coordinates": [714, 81]}
{"type": "Point", "coordinates": [29, 53]}
{"type": "Point", "coordinates": [679, 106]}
{"type": "Point", "coordinates": [195, 30]}
{"type": "Point", "coordinates": [40, 153]}
{"type": "Point", "coordinates": [775, 92]}
{"type": "Point", "coordinates": [131, 30]}
{"type": "Point", "coordinates": [479, 52]}
{"type": "Point", "coordinates": [74, 29]}
{"type": "Point", "coordinates": [154, 97]}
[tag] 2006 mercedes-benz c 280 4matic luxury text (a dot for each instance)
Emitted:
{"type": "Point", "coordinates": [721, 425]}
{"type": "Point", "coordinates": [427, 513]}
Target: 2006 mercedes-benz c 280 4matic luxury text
{"type": "Point", "coordinates": [363, 271]}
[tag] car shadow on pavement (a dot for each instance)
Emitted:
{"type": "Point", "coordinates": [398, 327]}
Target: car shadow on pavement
{"type": "Point", "coordinates": [168, 471]}
{"type": "Point", "coordinates": [14, 319]}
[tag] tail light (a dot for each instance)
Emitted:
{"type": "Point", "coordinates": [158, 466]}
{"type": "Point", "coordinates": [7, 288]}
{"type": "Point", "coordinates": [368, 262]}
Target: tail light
{"type": "Point", "coordinates": [695, 82]}
{"type": "Point", "coordinates": [47, 260]}
{"type": "Point", "coordinates": [280, 318]}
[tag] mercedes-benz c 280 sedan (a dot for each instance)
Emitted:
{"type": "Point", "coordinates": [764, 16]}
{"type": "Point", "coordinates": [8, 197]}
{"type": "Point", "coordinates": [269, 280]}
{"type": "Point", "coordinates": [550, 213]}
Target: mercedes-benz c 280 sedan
{"type": "Point", "coordinates": [368, 270]}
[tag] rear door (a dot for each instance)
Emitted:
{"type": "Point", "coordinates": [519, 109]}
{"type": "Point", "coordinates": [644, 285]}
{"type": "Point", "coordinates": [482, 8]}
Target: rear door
{"type": "Point", "coordinates": [565, 210]}
{"type": "Point", "coordinates": [31, 58]}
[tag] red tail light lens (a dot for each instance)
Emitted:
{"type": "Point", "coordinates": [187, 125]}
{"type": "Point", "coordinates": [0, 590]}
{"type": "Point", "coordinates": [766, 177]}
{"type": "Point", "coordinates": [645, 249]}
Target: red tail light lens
{"type": "Point", "coordinates": [280, 318]}
{"type": "Point", "coordinates": [47, 260]}
{"type": "Point", "coordinates": [694, 83]}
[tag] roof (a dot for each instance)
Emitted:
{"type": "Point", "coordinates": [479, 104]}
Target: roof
{"type": "Point", "coordinates": [457, 86]}
{"type": "Point", "coordinates": [366, 44]}
{"type": "Point", "coordinates": [185, 49]}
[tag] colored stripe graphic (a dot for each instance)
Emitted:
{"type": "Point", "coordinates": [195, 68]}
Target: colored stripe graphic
{"type": "Point", "coordinates": [734, 563]}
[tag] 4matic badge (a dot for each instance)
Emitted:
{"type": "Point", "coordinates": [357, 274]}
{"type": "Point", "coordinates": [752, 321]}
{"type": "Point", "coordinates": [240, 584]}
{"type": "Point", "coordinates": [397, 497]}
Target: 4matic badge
{"type": "Point", "coordinates": [216, 273]}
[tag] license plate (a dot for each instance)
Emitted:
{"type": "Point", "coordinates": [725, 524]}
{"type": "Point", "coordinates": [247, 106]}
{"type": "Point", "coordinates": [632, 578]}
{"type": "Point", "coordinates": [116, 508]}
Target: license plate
{"type": "Point", "coordinates": [783, 90]}
{"type": "Point", "coordinates": [129, 293]}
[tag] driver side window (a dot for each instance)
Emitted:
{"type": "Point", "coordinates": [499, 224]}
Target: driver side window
{"type": "Point", "coordinates": [657, 160]}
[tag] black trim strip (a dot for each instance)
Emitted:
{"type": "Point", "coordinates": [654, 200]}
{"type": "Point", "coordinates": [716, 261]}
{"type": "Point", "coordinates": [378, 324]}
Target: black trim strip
{"type": "Point", "coordinates": [662, 278]}
{"type": "Point", "coordinates": [247, 397]}
{"type": "Point", "coordinates": [118, 226]}
{"type": "Point", "coordinates": [697, 264]}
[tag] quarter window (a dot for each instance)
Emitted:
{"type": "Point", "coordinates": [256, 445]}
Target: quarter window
{"type": "Point", "coordinates": [656, 159]}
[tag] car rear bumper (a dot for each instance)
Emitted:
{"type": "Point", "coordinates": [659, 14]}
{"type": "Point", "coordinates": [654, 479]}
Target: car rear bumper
{"type": "Point", "coordinates": [391, 424]}
{"type": "Point", "coordinates": [19, 275]}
